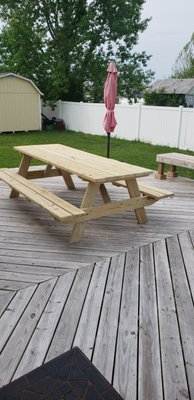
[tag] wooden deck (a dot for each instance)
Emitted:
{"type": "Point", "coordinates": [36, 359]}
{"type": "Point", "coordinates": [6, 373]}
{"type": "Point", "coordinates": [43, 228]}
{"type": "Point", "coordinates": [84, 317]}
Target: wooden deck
{"type": "Point", "coordinates": [124, 294]}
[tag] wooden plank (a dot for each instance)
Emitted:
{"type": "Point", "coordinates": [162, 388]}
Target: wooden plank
{"type": "Point", "coordinates": [87, 166]}
{"type": "Point", "coordinates": [12, 285]}
{"type": "Point", "coordinates": [101, 163]}
{"type": "Point", "coordinates": [86, 331]}
{"type": "Point", "coordinates": [47, 170]}
{"type": "Point", "coordinates": [57, 251]}
{"type": "Point", "coordinates": [38, 270]}
{"type": "Point", "coordinates": [153, 191]}
{"type": "Point", "coordinates": [174, 159]}
{"type": "Point", "coordinates": [133, 190]}
{"type": "Point", "coordinates": [23, 169]}
{"type": "Point", "coordinates": [115, 207]}
{"type": "Point", "coordinates": [184, 305]}
{"type": "Point", "coordinates": [187, 250]}
{"type": "Point", "coordinates": [68, 180]}
{"type": "Point", "coordinates": [37, 347]}
{"type": "Point", "coordinates": [13, 314]}
{"type": "Point", "coordinates": [178, 159]}
{"type": "Point", "coordinates": [23, 276]}
{"type": "Point", "coordinates": [5, 298]}
{"type": "Point", "coordinates": [103, 356]}
{"type": "Point", "coordinates": [191, 235]}
{"type": "Point", "coordinates": [57, 207]}
{"type": "Point", "coordinates": [160, 173]}
{"type": "Point", "coordinates": [88, 200]}
{"type": "Point", "coordinates": [173, 369]}
{"type": "Point", "coordinates": [38, 174]}
{"type": "Point", "coordinates": [15, 347]}
{"type": "Point", "coordinates": [48, 260]}
{"type": "Point", "coordinates": [149, 374]}
{"type": "Point", "coordinates": [172, 172]}
{"type": "Point", "coordinates": [125, 371]}
{"type": "Point", "coordinates": [66, 328]}
{"type": "Point", "coordinates": [104, 193]}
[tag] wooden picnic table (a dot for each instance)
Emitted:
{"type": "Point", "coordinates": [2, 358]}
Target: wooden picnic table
{"type": "Point", "coordinates": [95, 170]}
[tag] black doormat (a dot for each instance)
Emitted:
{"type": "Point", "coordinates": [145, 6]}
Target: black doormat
{"type": "Point", "coordinates": [70, 376]}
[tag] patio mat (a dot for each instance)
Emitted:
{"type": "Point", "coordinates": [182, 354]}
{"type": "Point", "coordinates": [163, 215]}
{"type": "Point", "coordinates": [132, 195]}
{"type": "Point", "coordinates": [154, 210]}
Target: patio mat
{"type": "Point", "coordinates": [70, 376]}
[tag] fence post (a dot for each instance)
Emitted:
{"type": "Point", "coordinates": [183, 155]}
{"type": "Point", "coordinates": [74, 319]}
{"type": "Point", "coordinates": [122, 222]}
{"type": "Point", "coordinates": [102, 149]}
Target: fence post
{"type": "Point", "coordinates": [139, 121]}
{"type": "Point", "coordinates": [81, 116]}
{"type": "Point", "coordinates": [180, 125]}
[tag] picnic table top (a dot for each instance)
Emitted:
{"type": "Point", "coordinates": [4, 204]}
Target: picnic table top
{"type": "Point", "coordinates": [87, 166]}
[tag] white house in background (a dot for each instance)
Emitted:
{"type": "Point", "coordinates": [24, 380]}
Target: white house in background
{"type": "Point", "coordinates": [20, 104]}
{"type": "Point", "coordinates": [177, 86]}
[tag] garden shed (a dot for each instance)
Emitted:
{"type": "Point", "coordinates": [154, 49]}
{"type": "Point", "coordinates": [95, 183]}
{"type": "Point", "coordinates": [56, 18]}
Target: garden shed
{"type": "Point", "coordinates": [20, 104]}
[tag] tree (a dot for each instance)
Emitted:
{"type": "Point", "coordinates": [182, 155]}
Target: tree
{"type": "Point", "coordinates": [66, 45]}
{"type": "Point", "coordinates": [184, 64]}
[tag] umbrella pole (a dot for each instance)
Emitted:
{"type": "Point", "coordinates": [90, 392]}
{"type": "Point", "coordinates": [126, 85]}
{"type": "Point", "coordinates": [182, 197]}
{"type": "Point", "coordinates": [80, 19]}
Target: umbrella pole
{"type": "Point", "coordinates": [108, 145]}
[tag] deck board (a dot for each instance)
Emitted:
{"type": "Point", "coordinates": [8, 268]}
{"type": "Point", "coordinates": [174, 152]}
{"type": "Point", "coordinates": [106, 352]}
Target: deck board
{"type": "Point", "coordinates": [149, 376]}
{"type": "Point", "coordinates": [174, 377]}
{"type": "Point", "coordinates": [124, 294]}
{"type": "Point", "coordinates": [185, 308]}
{"type": "Point", "coordinates": [103, 355]}
{"type": "Point", "coordinates": [42, 336]}
{"type": "Point", "coordinates": [125, 372]}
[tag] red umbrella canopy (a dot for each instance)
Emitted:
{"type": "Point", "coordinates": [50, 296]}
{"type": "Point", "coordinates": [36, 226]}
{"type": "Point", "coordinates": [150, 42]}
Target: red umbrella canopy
{"type": "Point", "coordinates": [110, 93]}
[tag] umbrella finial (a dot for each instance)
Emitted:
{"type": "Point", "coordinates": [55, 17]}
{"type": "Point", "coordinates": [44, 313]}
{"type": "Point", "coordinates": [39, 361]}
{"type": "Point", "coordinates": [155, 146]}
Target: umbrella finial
{"type": "Point", "coordinates": [112, 67]}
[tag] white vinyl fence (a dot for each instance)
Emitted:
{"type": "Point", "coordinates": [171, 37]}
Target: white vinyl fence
{"type": "Point", "coordinates": [169, 126]}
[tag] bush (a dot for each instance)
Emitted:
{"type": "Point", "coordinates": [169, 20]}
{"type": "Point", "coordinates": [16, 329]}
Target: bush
{"type": "Point", "coordinates": [161, 98]}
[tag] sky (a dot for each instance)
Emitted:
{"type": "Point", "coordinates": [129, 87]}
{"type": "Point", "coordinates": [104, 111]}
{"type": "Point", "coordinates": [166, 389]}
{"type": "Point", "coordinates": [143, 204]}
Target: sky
{"type": "Point", "coordinates": [169, 30]}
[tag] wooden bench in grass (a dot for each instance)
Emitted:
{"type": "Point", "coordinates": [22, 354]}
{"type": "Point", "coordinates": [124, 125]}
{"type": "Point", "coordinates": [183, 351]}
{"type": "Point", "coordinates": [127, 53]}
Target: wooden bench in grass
{"type": "Point", "coordinates": [57, 207]}
{"type": "Point", "coordinates": [174, 160]}
{"type": "Point", "coordinates": [152, 192]}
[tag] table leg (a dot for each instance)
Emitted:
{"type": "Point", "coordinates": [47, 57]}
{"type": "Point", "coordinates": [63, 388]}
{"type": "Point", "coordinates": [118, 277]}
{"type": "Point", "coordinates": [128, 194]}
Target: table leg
{"type": "Point", "coordinates": [172, 172]}
{"type": "Point", "coordinates": [133, 190]}
{"type": "Point", "coordinates": [88, 200]}
{"type": "Point", "coordinates": [68, 180]}
{"type": "Point", "coordinates": [47, 170]}
{"type": "Point", "coordinates": [104, 193]}
{"type": "Point", "coordinates": [23, 169]}
{"type": "Point", "coordinates": [160, 174]}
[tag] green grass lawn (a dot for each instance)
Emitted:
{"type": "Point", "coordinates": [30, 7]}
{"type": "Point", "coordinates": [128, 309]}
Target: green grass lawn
{"type": "Point", "coordinates": [133, 152]}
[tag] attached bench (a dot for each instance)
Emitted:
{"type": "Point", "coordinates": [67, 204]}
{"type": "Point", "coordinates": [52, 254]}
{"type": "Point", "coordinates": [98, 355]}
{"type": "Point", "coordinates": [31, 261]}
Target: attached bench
{"type": "Point", "coordinates": [152, 192]}
{"type": "Point", "coordinates": [57, 207]}
{"type": "Point", "coordinates": [174, 160]}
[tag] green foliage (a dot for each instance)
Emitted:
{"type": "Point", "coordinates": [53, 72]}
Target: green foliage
{"type": "Point", "coordinates": [65, 46]}
{"type": "Point", "coordinates": [161, 98]}
{"type": "Point", "coordinates": [184, 65]}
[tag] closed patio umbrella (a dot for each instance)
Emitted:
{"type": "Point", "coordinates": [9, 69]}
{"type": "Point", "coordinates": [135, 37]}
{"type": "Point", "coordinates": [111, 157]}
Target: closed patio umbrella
{"type": "Point", "coordinates": [110, 93]}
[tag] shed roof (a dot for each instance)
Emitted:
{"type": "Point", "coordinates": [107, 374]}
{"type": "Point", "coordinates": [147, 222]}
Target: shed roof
{"type": "Point", "coordinates": [4, 74]}
{"type": "Point", "coordinates": [178, 86]}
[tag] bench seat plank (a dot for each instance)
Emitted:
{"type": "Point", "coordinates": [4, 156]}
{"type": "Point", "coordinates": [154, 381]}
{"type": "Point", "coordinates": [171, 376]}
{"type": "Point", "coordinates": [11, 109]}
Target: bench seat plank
{"type": "Point", "coordinates": [174, 160]}
{"type": "Point", "coordinates": [149, 190]}
{"type": "Point", "coordinates": [57, 207]}
{"type": "Point", "coordinates": [178, 159]}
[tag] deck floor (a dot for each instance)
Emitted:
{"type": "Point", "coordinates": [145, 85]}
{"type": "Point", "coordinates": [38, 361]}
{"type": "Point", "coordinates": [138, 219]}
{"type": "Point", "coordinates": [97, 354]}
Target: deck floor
{"type": "Point", "coordinates": [135, 285]}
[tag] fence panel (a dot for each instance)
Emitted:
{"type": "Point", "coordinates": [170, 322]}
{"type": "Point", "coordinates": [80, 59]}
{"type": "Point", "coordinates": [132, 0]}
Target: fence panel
{"type": "Point", "coordinates": [159, 125]}
{"type": "Point", "coordinates": [168, 126]}
{"type": "Point", "coordinates": [187, 130]}
{"type": "Point", "coordinates": [127, 117]}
